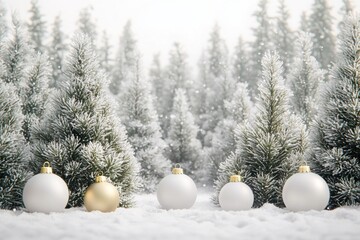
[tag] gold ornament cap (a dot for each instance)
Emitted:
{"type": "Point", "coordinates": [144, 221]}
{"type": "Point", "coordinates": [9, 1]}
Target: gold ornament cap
{"type": "Point", "coordinates": [235, 178]}
{"type": "Point", "coordinates": [100, 178]}
{"type": "Point", "coordinates": [304, 169]}
{"type": "Point", "coordinates": [177, 169]}
{"type": "Point", "coordinates": [46, 168]}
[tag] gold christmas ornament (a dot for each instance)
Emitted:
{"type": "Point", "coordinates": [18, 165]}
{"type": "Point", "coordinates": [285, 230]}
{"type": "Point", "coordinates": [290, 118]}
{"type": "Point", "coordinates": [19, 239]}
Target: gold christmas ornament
{"type": "Point", "coordinates": [101, 196]}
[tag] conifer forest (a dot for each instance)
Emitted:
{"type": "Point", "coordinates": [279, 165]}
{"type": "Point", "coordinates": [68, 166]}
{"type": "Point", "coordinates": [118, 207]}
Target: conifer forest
{"type": "Point", "coordinates": [288, 95]}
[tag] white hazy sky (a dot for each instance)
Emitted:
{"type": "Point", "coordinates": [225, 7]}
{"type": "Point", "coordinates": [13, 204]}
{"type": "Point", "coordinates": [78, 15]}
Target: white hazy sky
{"type": "Point", "coordinates": [158, 23]}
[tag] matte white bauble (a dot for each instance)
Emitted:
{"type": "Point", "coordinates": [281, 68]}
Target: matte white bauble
{"type": "Point", "coordinates": [236, 195]}
{"type": "Point", "coordinates": [45, 192]}
{"type": "Point", "coordinates": [176, 191]}
{"type": "Point", "coordinates": [305, 191]}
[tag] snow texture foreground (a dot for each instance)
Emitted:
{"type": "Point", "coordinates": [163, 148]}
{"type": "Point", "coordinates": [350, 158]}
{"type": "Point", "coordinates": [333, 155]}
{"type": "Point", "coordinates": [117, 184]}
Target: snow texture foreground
{"type": "Point", "coordinates": [203, 221]}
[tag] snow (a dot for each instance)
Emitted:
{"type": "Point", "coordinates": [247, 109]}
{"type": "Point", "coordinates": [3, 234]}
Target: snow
{"type": "Point", "coordinates": [204, 221]}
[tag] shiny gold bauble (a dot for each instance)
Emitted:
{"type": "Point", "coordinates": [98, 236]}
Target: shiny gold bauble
{"type": "Point", "coordinates": [101, 196]}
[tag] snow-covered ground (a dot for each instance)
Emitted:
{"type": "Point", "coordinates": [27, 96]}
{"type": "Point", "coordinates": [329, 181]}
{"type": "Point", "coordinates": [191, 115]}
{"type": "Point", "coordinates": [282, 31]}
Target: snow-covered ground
{"type": "Point", "coordinates": [204, 221]}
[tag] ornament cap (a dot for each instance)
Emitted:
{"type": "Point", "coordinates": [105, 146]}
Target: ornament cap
{"type": "Point", "coordinates": [100, 178]}
{"type": "Point", "coordinates": [46, 168]}
{"type": "Point", "coordinates": [304, 169]}
{"type": "Point", "coordinates": [235, 178]}
{"type": "Point", "coordinates": [177, 169]}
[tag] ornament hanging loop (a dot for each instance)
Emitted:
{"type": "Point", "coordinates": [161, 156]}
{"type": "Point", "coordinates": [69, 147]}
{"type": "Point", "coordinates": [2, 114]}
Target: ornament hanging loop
{"type": "Point", "coordinates": [46, 168]}
{"type": "Point", "coordinates": [304, 167]}
{"type": "Point", "coordinates": [177, 169]}
{"type": "Point", "coordinates": [100, 177]}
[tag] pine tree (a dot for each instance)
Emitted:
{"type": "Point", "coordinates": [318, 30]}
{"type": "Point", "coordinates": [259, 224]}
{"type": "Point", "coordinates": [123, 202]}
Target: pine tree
{"type": "Point", "coordinates": [284, 37]}
{"type": "Point", "coordinates": [104, 53]}
{"type": "Point", "coordinates": [3, 22]}
{"type": "Point", "coordinates": [241, 66]}
{"type": "Point", "coordinates": [125, 59]}
{"type": "Point", "coordinates": [270, 146]}
{"type": "Point", "coordinates": [176, 76]}
{"type": "Point", "coordinates": [262, 42]}
{"type": "Point", "coordinates": [305, 78]}
{"type": "Point", "coordinates": [57, 52]}
{"type": "Point", "coordinates": [80, 136]}
{"type": "Point", "coordinates": [86, 24]}
{"type": "Point", "coordinates": [336, 132]}
{"type": "Point", "coordinates": [37, 27]}
{"type": "Point", "coordinates": [35, 93]}
{"type": "Point", "coordinates": [12, 149]}
{"type": "Point", "coordinates": [199, 95]}
{"type": "Point", "coordinates": [321, 28]}
{"type": "Point", "coordinates": [346, 9]}
{"type": "Point", "coordinates": [184, 148]}
{"type": "Point", "coordinates": [216, 86]}
{"type": "Point", "coordinates": [15, 55]}
{"type": "Point", "coordinates": [238, 111]}
{"type": "Point", "coordinates": [143, 129]}
{"type": "Point", "coordinates": [304, 26]}
{"type": "Point", "coordinates": [217, 54]}
{"type": "Point", "coordinates": [157, 79]}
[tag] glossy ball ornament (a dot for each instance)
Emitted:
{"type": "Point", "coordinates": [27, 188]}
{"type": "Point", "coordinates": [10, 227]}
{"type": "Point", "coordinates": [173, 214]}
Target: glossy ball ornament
{"type": "Point", "coordinates": [101, 196]}
{"type": "Point", "coordinates": [177, 190]}
{"type": "Point", "coordinates": [236, 195]}
{"type": "Point", "coordinates": [45, 192]}
{"type": "Point", "coordinates": [305, 191]}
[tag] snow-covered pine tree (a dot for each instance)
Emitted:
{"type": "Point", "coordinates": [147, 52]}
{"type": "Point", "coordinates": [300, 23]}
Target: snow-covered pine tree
{"type": "Point", "coordinates": [346, 9]}
{"type": "Point", "coordinates": [217, 54]}
{"type": "Point", "coordinates": [86, 24]}
{"type": "Point", "coordinates": [199, 94]}
{"type": "Point", "coordinates": [125, 58]}
{"type": "Point", "coordinates": [177, 76]}
{"type": "Point", "coordinates": [57, 53]}
{"type": "Point", "coordinates": [143, 128]}
{"type": "Point", "coordinates": [80, 136]}
{"type": "Point", "coordinates": [261, 43]}
{"type": "Point", "coordinates": [34, 93]}
{"type": "Point", "coordinates": [37, 27]}
{"type": "Point", "coordinates": [156, 76]}
{"type": "Point", "coordinates": [269, 147]}
{"type": "Point", "coordinates": [240, 71]}
{"type": "Point", "coordinates": [104, 53]}
{"type": "Point", "coordinates": [336, 132]}
{"type": "Point", "coordinates": [13, 174]}
{"type": "Point", "coordinates": [184, 148]}
{"type": "Point", "coordinates": [238, 110]}
{"type": "Point", "coordinates": [304, 26]}
{"type": "Point", "coordinates": [305, 77]}
{"type": "Point", "coordinates": [284, 38]}
{"type": "Point", "coordinates": [3, 21]}
{"type": "Point", "coordinates": [216, 86]}
{"type": "Point", "coordinates": [321, 28]}
{"type": "Point", "coordinates": [15, 55]}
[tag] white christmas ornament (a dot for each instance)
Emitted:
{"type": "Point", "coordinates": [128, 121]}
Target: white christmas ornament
{"type": "Point", "coordinates": [177, 190]}
{"type": "Point", "coordinates": [45, 192]}
{"type": "Point", "coordinates": [305, 191]}
{"type": "Point", "coordinates": [236, 195]}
